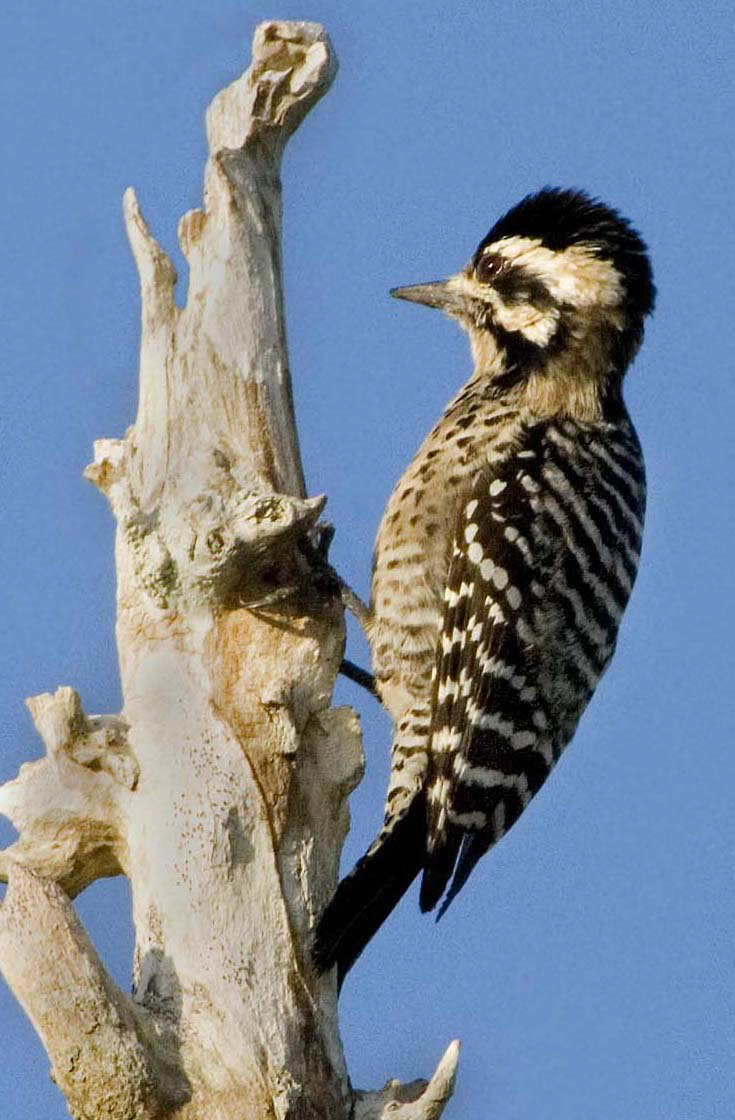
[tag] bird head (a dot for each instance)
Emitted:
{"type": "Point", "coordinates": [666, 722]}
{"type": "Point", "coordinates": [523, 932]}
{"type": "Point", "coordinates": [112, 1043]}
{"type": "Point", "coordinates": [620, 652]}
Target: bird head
{"type": "Point", "coordinates": [559, 272]}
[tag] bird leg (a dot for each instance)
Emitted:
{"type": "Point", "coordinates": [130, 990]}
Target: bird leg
{"type": "Point", "coordinates": [359, 676]}
{"type": "Point", "coordinates": [316, 548]}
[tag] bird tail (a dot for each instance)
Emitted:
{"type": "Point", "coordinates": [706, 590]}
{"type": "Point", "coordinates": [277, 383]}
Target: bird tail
{"type": "Point", "coordinates": [440, 863]}
{"type": "Point", "coordinates": [365, 897]}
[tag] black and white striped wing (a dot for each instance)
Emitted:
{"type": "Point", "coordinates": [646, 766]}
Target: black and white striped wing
{"type": "Point", "coordinates": [543, 562]}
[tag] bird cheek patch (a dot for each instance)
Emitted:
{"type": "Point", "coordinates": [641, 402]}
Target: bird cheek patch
{"type": "Point", "coordinates": [539, 327]}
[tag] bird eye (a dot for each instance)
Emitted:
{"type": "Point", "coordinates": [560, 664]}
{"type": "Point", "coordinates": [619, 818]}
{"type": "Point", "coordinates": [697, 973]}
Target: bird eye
{"type": "Point", "coordinates": [489, 267]}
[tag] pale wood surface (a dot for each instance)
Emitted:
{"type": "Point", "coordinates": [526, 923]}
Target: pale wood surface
{"type": "Point", "coordinates": [221, 788]}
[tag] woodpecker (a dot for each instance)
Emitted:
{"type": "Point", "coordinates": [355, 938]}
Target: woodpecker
{"type": "Point", "coordinates": [507, 552]}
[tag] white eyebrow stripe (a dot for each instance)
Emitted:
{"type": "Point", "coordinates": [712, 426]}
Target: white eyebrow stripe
{"type": "Point", "coordinates": [573, 275]}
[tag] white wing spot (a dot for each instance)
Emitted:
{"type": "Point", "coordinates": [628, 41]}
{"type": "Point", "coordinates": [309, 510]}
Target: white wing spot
{"type": "Point", "coordinates": [439, 792]}
{"type": "Point", "coordinates": [448, 688]}
{"type": "Point", "coordinates": [471, 532]}
{"type": "Point", "coordinates": [475, 552]}
{"type": "Point", "coordinates": [487, 778]}
{"type": "Point", "coordinates": [523, 739]}
{"type": "Point", "coordinates": [513, 596]}
{"type": "Point", "coordinates": [494, 611]}
{"type": "Point", "coordinates": [476, 820]}
{"type": "Point", "coordinates": [500, 578]}
{"type": "Point", "coordinates": [446, 741]}
{"type": "Point", "coordinates": [497, 487]}
{"type": "Point", "coordinates": [486, 568]}
{"type": "Point", "coordinates": [499, 819]}
{"type": "Point", "coordinates": [471, 507]}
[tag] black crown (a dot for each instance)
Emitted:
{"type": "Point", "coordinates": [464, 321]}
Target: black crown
{"type": "Point", "coordinates": [561, 218]}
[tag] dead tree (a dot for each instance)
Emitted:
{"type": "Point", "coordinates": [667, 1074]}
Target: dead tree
{"type": "Point", "coordinates": [221, 789]}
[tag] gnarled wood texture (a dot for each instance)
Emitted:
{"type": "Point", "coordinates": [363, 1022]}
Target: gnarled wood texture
{"type": "Point", "coordinates": [221, 788]}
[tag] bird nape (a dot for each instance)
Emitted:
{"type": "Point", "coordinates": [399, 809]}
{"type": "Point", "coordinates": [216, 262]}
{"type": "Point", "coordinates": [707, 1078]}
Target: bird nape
{"type": "Point", "coordinates": [507, 552]}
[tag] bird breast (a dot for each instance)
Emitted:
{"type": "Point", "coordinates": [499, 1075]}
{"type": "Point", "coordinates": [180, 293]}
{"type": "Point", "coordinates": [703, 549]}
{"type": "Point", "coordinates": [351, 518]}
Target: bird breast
{"type": "Point", "coordinates": [413, 545]}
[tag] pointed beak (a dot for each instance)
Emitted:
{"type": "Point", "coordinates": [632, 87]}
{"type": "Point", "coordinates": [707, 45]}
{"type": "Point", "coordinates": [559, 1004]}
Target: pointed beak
{"type": "Point", "coordinates": [440, 293]}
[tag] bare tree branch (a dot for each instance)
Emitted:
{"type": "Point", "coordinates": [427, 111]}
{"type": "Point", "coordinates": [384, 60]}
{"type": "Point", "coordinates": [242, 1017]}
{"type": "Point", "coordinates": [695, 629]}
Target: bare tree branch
{"type": "Point", "coordinates": [106, 1060]}
{"type": "Point", "coordinates": [221, 789]}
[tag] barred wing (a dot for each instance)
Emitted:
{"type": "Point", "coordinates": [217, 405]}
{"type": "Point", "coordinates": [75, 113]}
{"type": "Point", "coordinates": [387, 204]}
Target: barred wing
{"type": "Point", "coordinates": [543, 561]}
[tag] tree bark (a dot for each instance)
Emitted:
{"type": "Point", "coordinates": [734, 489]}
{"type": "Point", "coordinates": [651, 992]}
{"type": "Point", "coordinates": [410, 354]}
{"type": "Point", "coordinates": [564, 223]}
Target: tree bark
{"type": "Point", "coordinates": [221, 788]}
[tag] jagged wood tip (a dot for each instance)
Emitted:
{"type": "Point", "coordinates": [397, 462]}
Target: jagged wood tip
{"type": "Point", "coordinates": [417, 1100]}
{"type": "Point", "coordinates": [293, 65]}
{"type": "Point", "coordinates": [155, 268]}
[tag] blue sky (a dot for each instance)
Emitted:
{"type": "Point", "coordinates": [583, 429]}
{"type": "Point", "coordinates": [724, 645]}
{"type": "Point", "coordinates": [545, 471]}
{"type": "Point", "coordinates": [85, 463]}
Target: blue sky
{"type": "Point", "coordinates": [587, 967]}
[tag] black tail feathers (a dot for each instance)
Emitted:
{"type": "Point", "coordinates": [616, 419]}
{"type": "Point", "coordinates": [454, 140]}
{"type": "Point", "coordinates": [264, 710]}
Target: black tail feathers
{"type": "Point", "coordinates": [468, 848]}
{"type": "Point", "coordinates": [365, 898]}
{"type": "Point", "coordinates": [439, 868]}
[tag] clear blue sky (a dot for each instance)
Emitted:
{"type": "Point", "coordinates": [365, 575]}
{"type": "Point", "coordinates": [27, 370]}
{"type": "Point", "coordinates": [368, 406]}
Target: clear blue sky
{"type": "Point", "coordinates": [588, 967]}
